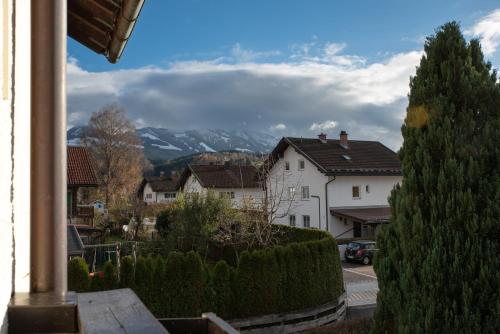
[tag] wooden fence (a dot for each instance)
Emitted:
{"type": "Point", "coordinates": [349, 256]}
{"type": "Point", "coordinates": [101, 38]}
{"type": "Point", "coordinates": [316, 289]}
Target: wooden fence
{"type": "Point", "coordinates": [295, 321]}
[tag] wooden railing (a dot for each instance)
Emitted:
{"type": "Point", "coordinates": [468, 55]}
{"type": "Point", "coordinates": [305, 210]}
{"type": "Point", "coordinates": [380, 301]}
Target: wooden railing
{"type": "Point", "coordinates": [294, 321]}
{"type": "Point", "coordinates": [85, 211]}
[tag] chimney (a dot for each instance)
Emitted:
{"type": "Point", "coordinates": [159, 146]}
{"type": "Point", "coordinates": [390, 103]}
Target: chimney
{"type": "Point", "coordinates": [322, 137]}
{"type": "Point", "coordinates": [344, 142]}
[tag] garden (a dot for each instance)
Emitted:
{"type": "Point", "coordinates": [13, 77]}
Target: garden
{"type": "Point", "coordinates": [231, 262]}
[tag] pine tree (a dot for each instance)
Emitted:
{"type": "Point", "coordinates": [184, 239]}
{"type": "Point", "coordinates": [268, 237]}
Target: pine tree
{"type": "Point", "coordinates": [439, 259]}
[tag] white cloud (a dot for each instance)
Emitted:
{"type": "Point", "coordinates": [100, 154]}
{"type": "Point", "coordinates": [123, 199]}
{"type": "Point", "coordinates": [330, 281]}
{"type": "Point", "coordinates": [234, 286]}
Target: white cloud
{"type": "Point", "coordinates": [279, 126]}
{"type": "Point", "coordinates": [487, 29]}
{"type": "Point", "coordinates": [332, 49]}
{"type": "Point", "coordinates": [246, 55]}
{"type": "Point", "coordinates": [367, 100]}
{"type": "Point", "coordinates": [326, 125]}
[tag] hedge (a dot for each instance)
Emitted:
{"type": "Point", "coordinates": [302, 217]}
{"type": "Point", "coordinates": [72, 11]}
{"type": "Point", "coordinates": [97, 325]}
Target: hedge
{"type": "Point", "coordinates": [280, 279]}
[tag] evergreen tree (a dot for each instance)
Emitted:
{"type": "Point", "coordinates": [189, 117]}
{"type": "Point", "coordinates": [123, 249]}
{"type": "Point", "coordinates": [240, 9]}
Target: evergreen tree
{"type": "Point", "coordinates": [439, 259]}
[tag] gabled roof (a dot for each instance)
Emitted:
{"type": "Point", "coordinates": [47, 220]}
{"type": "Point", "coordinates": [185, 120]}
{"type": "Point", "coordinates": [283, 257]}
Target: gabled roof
{"type": "Point", "coordinates": [360, 158]}
{"type": "Point", "coordinates": [159, 184]}
{"type": "Point", "coordinates": [222, 176]}
{"type": "Point", "coordinates": [80, 167]}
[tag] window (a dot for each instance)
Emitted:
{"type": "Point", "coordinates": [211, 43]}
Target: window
{"type": "Point", "coordinates": [291, 219]}
{"type": "Point", "coordinates": [149, 196]}
{"type": "Point", "coordinates": [307, 221]}
{"type": "Point", "coordinates": [355, 192]}
{"type": "Point", "coordinates": [305, 192]}
{"type": "Point", "coordinates": [287, 165]}
{"type": "Point", "coordinates": [367, 188]}
{"type": "Point", "coordinates": [291, 193]}
{"type": "Point", "coordinates": [170, 195]}
{"type": "Point", "coordinates": [302, 164]}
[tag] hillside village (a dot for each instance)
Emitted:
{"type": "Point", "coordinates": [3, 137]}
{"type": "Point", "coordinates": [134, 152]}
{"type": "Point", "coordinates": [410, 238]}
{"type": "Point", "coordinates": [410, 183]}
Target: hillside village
{"type": "Point", "coordinates": [337, 185]}
{"type": "Point", "coordinates": [124, 226]}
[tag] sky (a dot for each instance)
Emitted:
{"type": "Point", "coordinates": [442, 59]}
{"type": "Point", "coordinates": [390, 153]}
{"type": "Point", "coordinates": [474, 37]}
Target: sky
{"type": "Point", "coordinates": [286, 68]}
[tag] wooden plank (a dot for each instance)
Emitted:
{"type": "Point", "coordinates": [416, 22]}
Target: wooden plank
{"type": "Point", "coordinates": [115, 311]}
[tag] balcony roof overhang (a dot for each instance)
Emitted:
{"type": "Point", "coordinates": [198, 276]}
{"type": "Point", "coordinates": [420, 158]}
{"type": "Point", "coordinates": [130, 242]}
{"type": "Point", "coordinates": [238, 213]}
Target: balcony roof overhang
{"type": "Point", "coordinates": [367, 215]}
{"type": "Point", "coordinates": [103, 26]}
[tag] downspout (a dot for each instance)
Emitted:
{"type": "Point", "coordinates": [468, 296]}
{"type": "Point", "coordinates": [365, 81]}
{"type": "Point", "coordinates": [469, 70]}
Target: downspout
{"type": "Point", "coordinates": [319, 209]}
{"type": "Point", "coordinates": [48, 147]}
{"type": "Point", "coordinates": [326, 202]}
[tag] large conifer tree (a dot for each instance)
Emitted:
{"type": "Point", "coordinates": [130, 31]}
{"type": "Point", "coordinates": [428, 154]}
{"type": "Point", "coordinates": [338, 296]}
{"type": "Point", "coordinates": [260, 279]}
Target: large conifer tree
{"type": "Point", "coordinates": [439, 259]}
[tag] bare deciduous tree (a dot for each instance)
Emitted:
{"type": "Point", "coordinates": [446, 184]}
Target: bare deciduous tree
{"type": "Point", "coordinates": [118, 153]}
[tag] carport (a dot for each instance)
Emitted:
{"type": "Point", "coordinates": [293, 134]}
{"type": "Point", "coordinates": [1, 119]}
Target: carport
{"type": "Point", "coordinates": [365, 219]}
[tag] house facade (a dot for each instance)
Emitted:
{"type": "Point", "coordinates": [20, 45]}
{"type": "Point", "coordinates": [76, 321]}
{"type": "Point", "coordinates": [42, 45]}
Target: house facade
{"type": "Point", "coordinates": [239, 184]}
{"type": "Point", "coordinates": [158, 189]}
{"type": "Point", "coordinates": [341, 186]}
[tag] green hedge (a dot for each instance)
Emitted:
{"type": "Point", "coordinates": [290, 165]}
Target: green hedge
{"type": "Point", "coordinates": [280, 279]}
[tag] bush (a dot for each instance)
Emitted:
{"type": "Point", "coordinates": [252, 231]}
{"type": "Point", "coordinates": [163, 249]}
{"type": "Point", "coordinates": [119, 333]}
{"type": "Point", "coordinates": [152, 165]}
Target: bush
{"type": "Point", "coordinates": [78, 275]}
{"type": "Point", "coordinates": [127, 272]}
{"type": "Point", "coordinates": [280, 279]}
{"type": "Point", "coordinates": [110, 280]}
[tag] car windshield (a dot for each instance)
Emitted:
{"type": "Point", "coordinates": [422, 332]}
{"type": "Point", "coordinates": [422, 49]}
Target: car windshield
{"type": "Point", "coordinates": [353, 245]}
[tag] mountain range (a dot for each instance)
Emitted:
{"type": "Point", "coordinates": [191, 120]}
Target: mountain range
{"type": "Point", "coordinates": [164, 144]}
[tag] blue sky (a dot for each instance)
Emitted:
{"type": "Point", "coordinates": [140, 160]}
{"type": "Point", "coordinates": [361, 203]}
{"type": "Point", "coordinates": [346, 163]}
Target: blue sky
{"type": "Point", "coordinates": [279, 67]}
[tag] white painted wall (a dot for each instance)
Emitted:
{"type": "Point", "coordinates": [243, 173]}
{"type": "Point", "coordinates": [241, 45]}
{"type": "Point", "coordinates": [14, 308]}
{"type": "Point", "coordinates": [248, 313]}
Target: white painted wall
{"type": "Point", "coordinates": [14, 153]}
{"type": "Point", "coordinates": [157, 197]}
{"type": "Point", "coordinates": [241, 195]}
{"type": "Point", "coordinates": [340, 195]}
{"type": "Point", "coordinates": [279, 180]}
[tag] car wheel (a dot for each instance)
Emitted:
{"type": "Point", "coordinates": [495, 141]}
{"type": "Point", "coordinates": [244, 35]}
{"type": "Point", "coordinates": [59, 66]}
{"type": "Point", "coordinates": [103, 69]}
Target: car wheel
{"type": "Point", "coordinates": [366, 260]}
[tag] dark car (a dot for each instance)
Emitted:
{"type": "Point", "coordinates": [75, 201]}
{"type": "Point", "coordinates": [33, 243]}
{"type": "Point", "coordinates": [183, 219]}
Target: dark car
{"type": "Point", "coordinates": [360, 251]}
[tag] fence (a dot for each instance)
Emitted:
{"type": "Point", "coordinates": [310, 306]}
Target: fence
{"type": "Point", "coordinates": [97, 255]}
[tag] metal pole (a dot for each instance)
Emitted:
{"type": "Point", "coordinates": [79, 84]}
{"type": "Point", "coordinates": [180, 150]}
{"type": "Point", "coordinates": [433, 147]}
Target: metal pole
{"type": "Point", "coordinates": [48, 146]}
{"type": "Point", "coordinates": [319, 209]}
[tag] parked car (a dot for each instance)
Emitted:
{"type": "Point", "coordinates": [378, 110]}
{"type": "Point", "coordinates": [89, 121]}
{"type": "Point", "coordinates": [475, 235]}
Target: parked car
{"type": "Point", "coordinates": [361, 251]}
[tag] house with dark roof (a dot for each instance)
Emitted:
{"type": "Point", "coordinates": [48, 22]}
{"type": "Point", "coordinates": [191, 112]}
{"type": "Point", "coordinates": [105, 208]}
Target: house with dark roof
{"type": "Point", "coordinates": [82, 185]}
{"type": "Point", "coordinates": [158, 189]}
{"type": "Point", "coordinates": [338, 185]}
{"type": "Point", "coordinates": [239, 183]}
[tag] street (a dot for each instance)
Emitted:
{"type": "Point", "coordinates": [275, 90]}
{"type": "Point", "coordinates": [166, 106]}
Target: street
{"type": "Point", "coordinates": [361, 286]}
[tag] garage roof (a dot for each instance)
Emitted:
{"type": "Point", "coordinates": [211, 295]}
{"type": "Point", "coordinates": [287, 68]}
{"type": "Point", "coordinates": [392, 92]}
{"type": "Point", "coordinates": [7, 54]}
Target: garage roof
{"type": "Point", "coordinates": [379, 214]}
{"type": "Point", "coordinates": [103, 26]}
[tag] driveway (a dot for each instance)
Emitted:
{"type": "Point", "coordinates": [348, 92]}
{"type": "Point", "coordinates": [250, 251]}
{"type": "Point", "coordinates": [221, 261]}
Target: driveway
{"type": "Point", "coordinates": [362, 287]}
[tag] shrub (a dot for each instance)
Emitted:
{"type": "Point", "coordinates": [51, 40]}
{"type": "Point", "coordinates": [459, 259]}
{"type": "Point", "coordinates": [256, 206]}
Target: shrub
{"type": "Point", "coordinates": [78, 275]}
{"type": "Point", "coordinates": [96, 282]}
{"type": "Point", "coordinates": [110, 280]}
{"type": "Point", "coordinates": [127, 272]}
{"type": "Point", "coordinates": [280, 279]}
{"type": "Point", "coordinates": [221, 290]}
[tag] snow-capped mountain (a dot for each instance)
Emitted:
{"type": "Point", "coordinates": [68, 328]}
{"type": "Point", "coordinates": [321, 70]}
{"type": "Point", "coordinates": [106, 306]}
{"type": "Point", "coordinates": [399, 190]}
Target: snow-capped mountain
{"type": "Point", "coordinates": [164, 144]}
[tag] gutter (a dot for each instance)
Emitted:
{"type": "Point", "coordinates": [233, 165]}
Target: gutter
{"type": "Point", "coordinates": [125, 24]}
{"type": "Point", "coordinates": [326, 201]}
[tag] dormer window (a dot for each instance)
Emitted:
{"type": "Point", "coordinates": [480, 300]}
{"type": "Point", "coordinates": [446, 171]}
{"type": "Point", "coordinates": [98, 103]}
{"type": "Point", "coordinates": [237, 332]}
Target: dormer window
{"type": "Point", "coordinates": [302, 164]}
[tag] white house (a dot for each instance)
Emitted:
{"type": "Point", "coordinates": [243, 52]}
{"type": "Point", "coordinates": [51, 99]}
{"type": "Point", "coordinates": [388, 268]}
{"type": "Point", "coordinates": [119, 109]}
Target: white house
{"type": "Point", "coordinates": [341, 186]}
{"type": "Point", "coordinates": [240, 184]}
{"type": "Point", "coordinates": [158, 189]}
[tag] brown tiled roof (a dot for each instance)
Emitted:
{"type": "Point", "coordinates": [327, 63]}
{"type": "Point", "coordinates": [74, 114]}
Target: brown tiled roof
{"type": "Point", "coordinates": [80, 167]}
{"type": "Point", "coordinates": [223, 176]}
{"type": "Point", "coordinates": [360, 158]}
{"type": "Point", "coordinates": [161, 184]}
{"type": "Point", "coordinates": [373, 214]}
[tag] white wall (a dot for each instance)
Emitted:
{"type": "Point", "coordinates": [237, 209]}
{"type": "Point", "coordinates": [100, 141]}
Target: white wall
{"type": "Point", "coordinates": [279, 180]}
{"type": "Point", "coordinates": [14, 153]}
{"type": "Point", "coordinates": [193, 186]}
{"type": "Point", "coordinates": [340, 196]}
{"type": "Point", "coordinates": [157, 197]}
